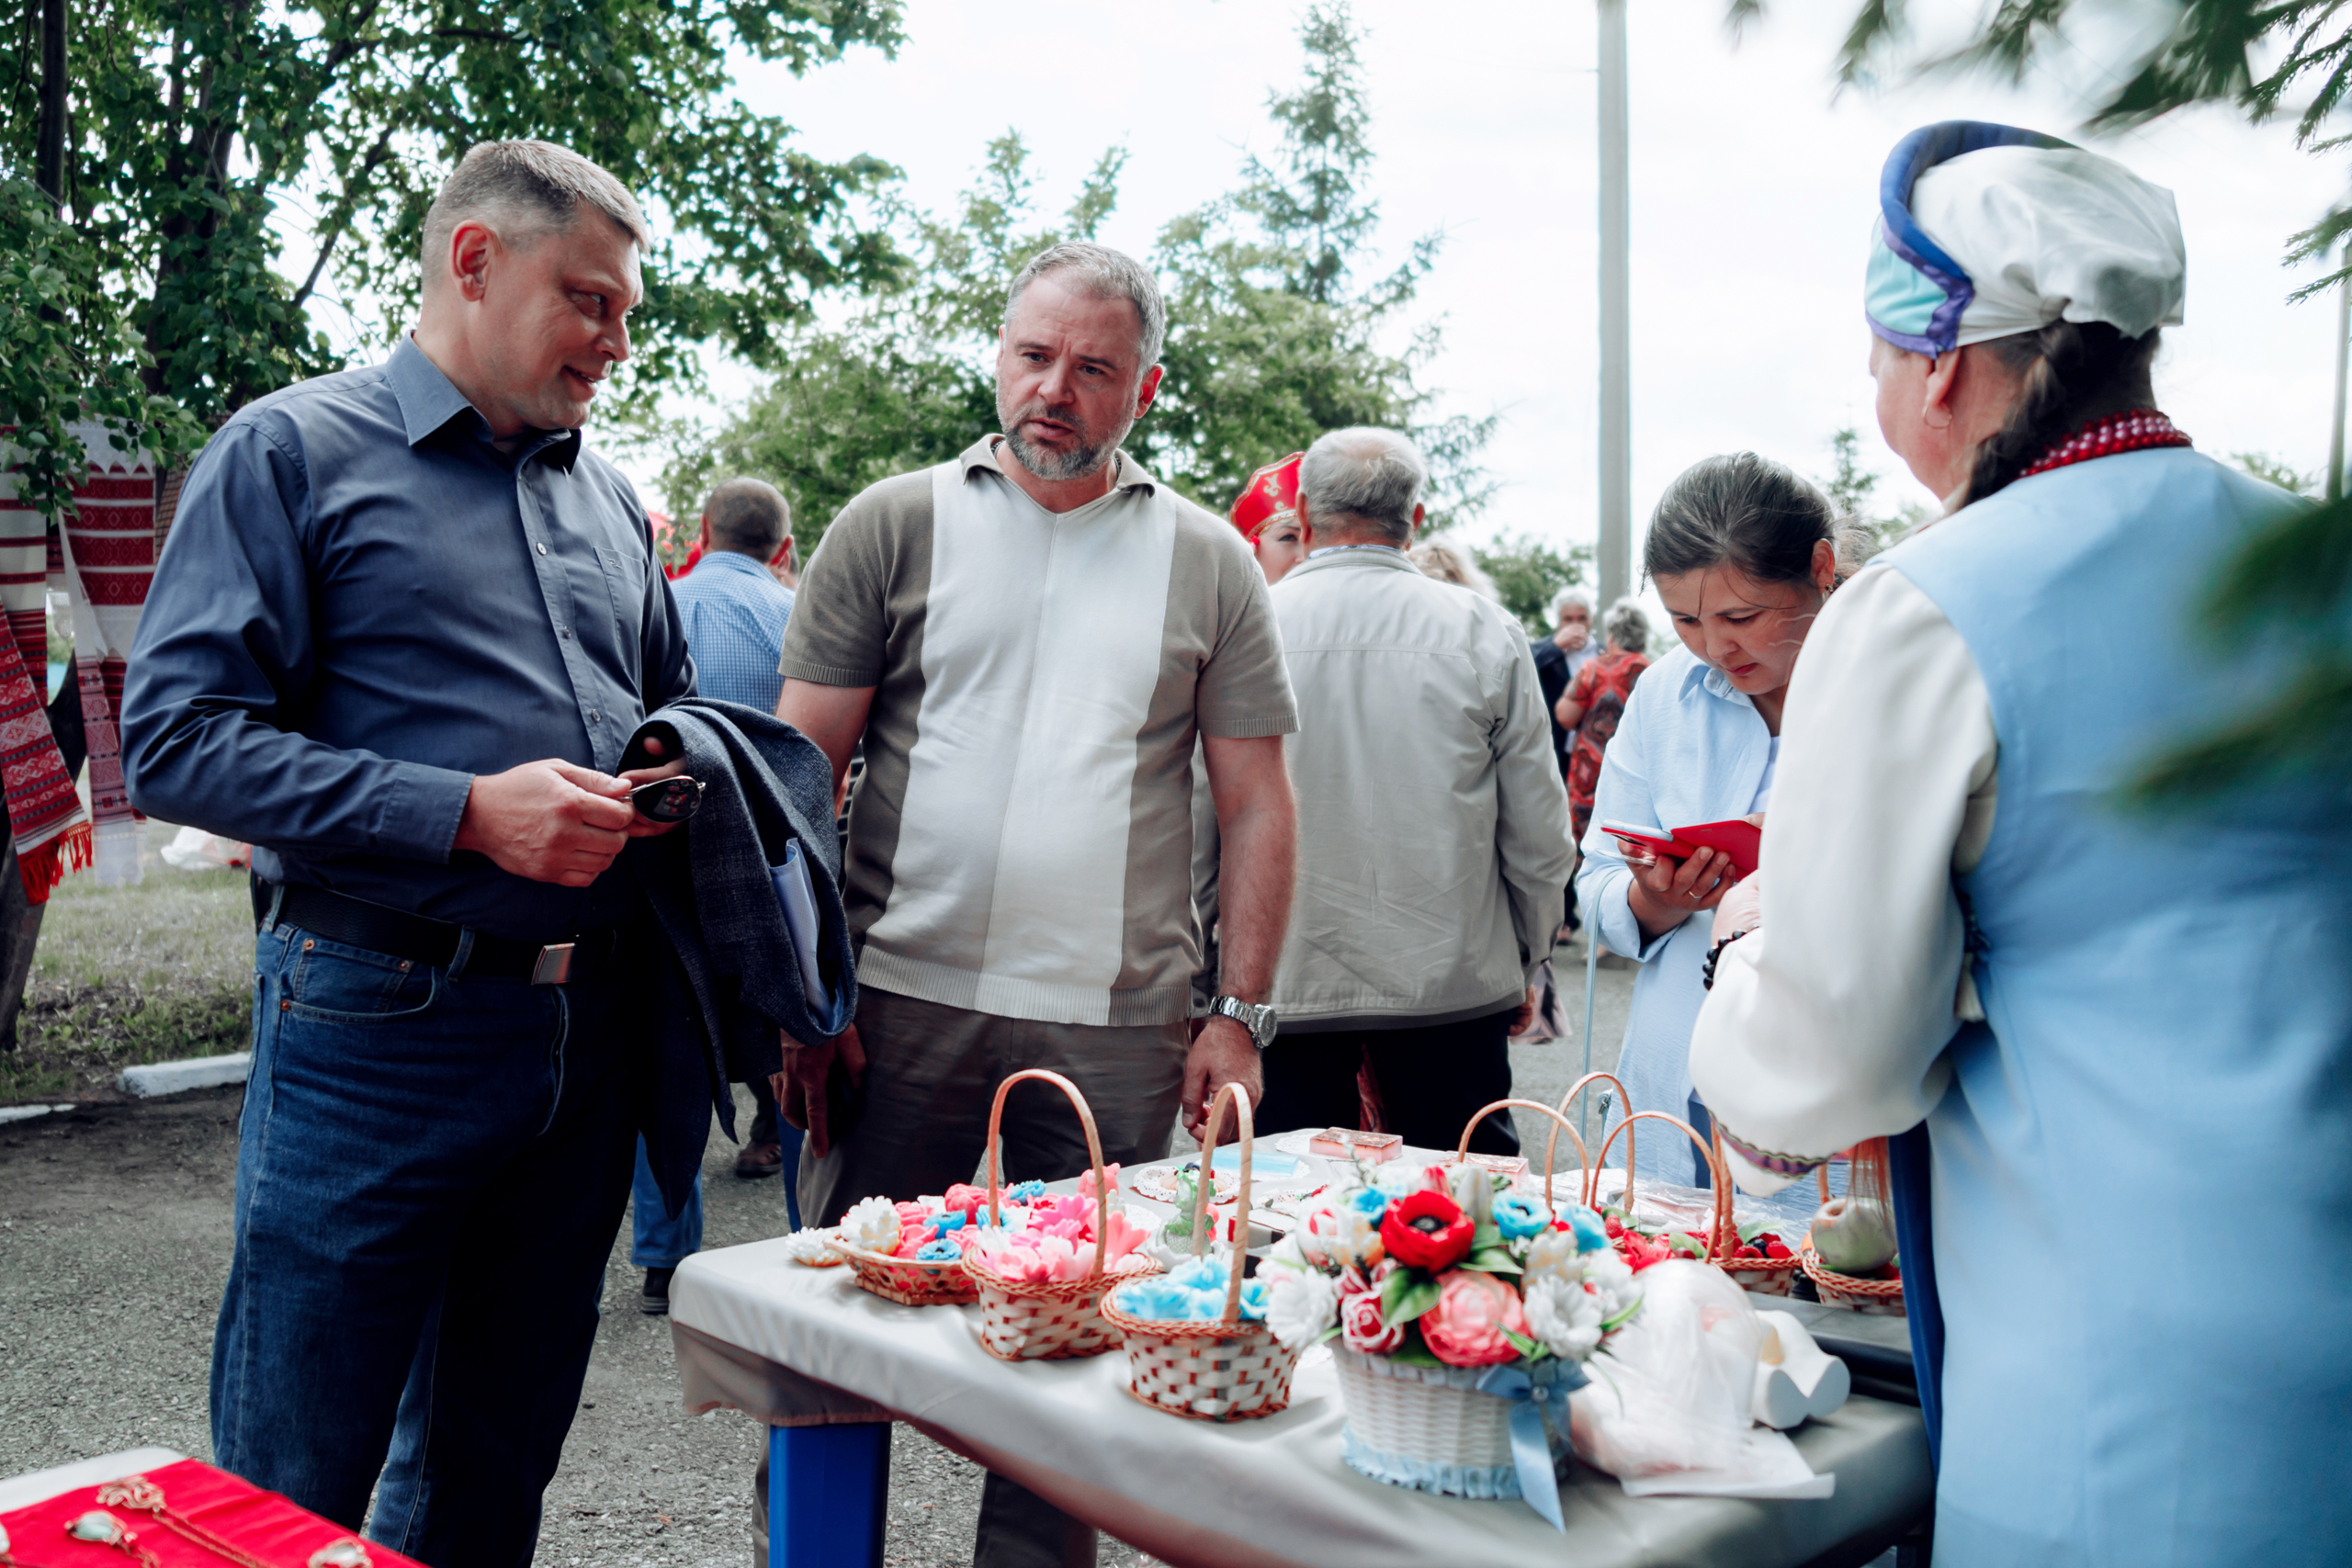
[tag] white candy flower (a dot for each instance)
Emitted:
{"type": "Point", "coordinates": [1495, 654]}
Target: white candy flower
{"type": "Point", "coordinates": [1564, 1315]}
{"type": "Point", "coordinates": [1613, 1281]}
{"type": "Point", "coordinates": [1397, 1178]}
{"type": "Point", "coordinates": [1554, 1254]}
{"type": "Point", "coordinates": [808, 1246]}
{"type": "Point", "coordinates": [872, 1223]}
{"type": "Point", "coordinates": [1473, 1186]}
{"type": "Point", "coordinates": [1300, 1305]}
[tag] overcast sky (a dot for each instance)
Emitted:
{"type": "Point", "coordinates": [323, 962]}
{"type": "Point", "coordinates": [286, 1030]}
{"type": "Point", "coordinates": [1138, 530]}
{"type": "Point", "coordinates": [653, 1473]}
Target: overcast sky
{"type": "Point", "coordinates": [1753, 188]}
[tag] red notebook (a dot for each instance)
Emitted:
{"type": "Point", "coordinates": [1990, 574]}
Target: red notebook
{"type": "Point", "coordinates": [262, 1525]}
{"type": "Point", "coordinates": [1738, 837]}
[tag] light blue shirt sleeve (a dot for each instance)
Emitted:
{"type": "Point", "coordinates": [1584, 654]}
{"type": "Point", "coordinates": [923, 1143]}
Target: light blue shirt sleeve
{"type": "Point", "coordinates": [1623, 793]}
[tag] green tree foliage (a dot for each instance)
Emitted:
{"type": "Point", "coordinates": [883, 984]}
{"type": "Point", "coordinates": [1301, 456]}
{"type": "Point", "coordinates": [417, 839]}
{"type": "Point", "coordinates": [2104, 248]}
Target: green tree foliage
{"type": "Point", "coordinates": [2290, 585]}
{"type": "Point", "coordinates": [2277, 472]}
{"type": "Point", "coordinates": [908, 379]}
{"type": "Point", "coordinates": [201, 132]}
{"type": "Point", "coordinates": [1269, 344]}
{"type": "Point", "coordinates": [1527, 571]}
{"type": "Point", "coordinates": [1852, 489]}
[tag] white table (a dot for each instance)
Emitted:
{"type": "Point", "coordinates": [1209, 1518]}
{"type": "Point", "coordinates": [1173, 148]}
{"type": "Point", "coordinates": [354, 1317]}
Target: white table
{"type": "Point", "coordinates": [825, 1363]}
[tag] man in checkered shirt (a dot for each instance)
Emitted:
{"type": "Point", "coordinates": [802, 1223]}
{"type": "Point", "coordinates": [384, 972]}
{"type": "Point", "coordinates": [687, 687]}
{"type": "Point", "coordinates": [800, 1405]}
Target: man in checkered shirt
{"type": "Point", "coordinates": [732, 611]}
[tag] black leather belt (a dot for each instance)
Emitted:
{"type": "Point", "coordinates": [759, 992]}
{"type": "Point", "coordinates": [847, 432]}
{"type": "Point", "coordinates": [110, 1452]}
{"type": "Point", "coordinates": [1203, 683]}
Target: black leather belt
{"type": "Point", "coordinates": [358, 923]}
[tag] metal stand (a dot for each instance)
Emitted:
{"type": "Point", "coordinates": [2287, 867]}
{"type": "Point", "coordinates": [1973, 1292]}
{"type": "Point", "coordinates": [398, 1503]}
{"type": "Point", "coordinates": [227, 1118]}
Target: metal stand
{"type": "Point", "coordinates": [827, 1487]}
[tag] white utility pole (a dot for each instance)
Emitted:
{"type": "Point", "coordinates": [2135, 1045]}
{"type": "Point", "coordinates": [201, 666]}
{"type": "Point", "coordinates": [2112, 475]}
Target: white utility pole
{"type": "Point", "coordinates": [1616, 338]}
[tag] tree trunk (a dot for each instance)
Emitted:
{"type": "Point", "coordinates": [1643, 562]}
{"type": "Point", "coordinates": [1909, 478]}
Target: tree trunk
{"type": "Point", "coordinates": [49, 157]}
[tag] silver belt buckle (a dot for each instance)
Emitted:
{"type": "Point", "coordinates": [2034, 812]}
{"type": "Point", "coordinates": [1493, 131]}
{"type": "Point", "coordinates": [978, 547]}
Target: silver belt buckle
{"type": "Point", "coordinates": [554, 967]}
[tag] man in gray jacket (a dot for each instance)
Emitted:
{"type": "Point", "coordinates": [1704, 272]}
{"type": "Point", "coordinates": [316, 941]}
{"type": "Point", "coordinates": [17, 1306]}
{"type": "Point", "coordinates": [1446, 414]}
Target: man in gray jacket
{"type": "Point", "coordinates": [1432, 826]}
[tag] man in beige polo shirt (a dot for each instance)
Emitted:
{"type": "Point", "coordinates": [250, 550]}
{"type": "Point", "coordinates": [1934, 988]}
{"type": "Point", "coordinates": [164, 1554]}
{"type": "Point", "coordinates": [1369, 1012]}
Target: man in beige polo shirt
{"type": "Point", "coordinates": [1028, 638]}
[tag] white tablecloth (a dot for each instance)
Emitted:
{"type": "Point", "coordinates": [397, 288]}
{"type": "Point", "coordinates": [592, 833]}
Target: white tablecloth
{"type": "Point", "coordinates": [752, 1329]}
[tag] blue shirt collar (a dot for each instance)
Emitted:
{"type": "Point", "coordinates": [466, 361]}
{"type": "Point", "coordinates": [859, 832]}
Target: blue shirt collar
{"type": "Point", "coordinates": [735, 561]}
{"type": "Point", "coordinates": [1334, 549]}
{"type": "Point", "coordinates": [429, 400]}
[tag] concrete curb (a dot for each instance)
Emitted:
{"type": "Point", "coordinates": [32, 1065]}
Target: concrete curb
{"type": "Point", "coordinates": [26, 1112]}
{"type": "Point", "coordinates": [177, 1077]}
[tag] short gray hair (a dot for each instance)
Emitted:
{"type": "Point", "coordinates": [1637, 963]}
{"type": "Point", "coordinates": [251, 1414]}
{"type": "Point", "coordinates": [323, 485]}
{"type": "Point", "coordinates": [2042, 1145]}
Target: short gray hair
{"type": "Point", "coordinates": [1627, 626]}
{"type": "Point", "coordinates": [1856, 543]}
{"type": "Point", "coordinates": [1573, 594]}
{"type": "Point", "coordinates": [748, 517]}
{"type": "Point", "coordinates": [1371, 475]}
{"type": "Point", "coordinates": [1105, 273]}
{"type": "Point", "coordinates": [524, 188]}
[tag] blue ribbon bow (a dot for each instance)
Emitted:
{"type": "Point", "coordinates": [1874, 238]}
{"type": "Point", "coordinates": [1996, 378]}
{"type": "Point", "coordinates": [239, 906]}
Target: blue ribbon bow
{"type": "Point", "coordinates": [1530, 1450]}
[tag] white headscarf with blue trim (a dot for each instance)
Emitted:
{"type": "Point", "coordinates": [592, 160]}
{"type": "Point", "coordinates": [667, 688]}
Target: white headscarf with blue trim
{"type": "Point", "coordinates": [1985, 231]}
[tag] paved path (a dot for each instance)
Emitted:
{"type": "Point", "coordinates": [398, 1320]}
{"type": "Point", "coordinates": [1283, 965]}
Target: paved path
{"type": "Point", "coordinates": [114, 1241]}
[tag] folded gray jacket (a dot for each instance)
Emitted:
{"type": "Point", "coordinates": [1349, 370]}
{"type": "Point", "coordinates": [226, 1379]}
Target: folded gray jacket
{"type": "Point", "coordinates": [731, 981]}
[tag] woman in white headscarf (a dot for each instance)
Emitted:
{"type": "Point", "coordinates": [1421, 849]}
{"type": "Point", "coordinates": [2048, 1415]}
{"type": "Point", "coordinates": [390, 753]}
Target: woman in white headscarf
{"type": "Point", "coordinates": [2114, 1050]}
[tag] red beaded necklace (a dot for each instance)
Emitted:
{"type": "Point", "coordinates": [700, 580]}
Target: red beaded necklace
{"type": "Point", "coordinates": [2131, 431]}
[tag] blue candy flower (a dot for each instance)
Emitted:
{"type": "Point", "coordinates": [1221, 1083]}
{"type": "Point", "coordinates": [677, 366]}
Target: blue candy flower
{"type": "Point", "coordinates": [1253, 1300]}
{"type": "Point", "coordinates": [1200, 1274]}
{"type": "Point", "coordinates": [941, 1251]}
{"type": "Point", "coordinates": [1369, 1201]}
{"type": "Point", "coordinates": [1592, 1235]}
{"type": "Point", "coordinates": [1025, 1192]}
{"type": "Point", "coordinates": [1519, 1216]}
{"type": "Point", "coordinates": [951, 1221]}
{"type": "Point", "coordinates": [1157, 1301]}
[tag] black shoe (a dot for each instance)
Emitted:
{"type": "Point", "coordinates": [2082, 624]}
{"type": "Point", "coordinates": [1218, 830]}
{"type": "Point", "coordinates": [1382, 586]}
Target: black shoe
{"type": "Point", "coordinates": [653, 1301]}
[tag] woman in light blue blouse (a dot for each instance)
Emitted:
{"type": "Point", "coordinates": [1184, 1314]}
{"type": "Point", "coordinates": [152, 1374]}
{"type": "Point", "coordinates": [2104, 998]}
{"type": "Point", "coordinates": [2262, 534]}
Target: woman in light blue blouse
{"type": "Point", "coordinates": [1742, 553]}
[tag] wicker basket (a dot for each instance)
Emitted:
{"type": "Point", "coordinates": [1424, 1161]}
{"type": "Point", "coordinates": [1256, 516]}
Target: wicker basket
{"type": "Point", "coordinates": [1723, 1235]}
{"type": "Point", "coordinates": [906, 1281]}
{"type": "Point", "coordinates": [1024, 1321]}
{"type": "Point", "coordinates": [1432, 1429]}
{"type": "Point", "coordinates": [1224, 1368]}
{"type": "Point", "coordinates": [1768, 1276]}
{"type": "Point", "coordinates": [1879, 1298]}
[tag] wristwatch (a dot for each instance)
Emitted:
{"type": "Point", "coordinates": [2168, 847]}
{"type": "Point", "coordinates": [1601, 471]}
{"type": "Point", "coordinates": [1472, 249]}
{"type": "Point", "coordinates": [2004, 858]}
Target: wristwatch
{"type": "Point", "coordinates": [1257, 1018]}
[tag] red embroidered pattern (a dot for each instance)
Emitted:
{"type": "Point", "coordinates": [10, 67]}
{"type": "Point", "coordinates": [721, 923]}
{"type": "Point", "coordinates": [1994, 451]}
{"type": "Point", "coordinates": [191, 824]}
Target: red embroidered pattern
{"type": "Point", "coordinates": [2133, 431]}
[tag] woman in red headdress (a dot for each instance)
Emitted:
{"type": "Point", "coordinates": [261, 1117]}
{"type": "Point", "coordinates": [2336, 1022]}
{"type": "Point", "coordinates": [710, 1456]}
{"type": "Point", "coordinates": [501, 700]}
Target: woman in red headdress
{"type": "Point", "coordinates": [1267, 513]}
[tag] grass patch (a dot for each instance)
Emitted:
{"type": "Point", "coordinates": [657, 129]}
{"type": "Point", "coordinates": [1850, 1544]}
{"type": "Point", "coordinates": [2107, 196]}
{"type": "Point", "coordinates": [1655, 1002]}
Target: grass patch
{"type": "Point", "coordinates": [157, 972]}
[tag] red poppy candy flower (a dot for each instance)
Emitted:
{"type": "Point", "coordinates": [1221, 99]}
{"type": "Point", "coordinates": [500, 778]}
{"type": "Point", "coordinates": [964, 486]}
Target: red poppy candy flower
{"type": "Point", "coordinates": [1426, 1230]}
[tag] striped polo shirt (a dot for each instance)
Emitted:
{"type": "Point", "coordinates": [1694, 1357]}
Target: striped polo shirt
{"type": "Point", "coordinates": [1022, 843]}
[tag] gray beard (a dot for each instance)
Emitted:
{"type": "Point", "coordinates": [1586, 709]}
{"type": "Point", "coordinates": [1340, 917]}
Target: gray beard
{"type": "Point", "coordinates": [1087, 458]}
{"type": "Point", "coordinates": [1058, 467]}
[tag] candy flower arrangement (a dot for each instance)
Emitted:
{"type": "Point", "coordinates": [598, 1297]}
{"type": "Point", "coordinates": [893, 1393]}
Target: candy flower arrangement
{"type": "Point", "coordinates": [1430, 1266]}
{"type": "Point", "coordinates": [1464, 1313]}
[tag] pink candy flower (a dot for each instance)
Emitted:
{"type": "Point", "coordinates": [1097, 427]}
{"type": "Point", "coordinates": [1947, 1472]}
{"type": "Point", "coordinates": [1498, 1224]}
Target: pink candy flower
{"type": "Point", "coordinates": [1465, 1327]}
{"type": "Point", "coordinates": [1360, 1319]}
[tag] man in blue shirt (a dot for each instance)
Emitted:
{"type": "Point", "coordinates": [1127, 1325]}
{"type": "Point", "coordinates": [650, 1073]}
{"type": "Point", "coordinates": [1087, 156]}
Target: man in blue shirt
{"type": "Point", "coordinates": [732, 611]}
{"type": "Point", "coordinates": [403, 630]}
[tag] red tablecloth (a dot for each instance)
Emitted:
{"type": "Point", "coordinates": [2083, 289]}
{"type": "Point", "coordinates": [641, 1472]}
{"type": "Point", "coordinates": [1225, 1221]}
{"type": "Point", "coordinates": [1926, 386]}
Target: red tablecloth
{"type": "Point", "coordinates": [263, 1525]}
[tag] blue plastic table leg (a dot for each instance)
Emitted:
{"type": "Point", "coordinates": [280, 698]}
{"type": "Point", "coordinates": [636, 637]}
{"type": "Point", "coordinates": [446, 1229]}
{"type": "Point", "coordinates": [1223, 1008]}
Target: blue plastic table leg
{"type": "Point", "coordinates": [827, 1486]}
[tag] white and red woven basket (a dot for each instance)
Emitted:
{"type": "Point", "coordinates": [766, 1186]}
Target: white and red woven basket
{"type": "Point", "coordinates": [1432, 1429]}
{"type": "Point", "coordinates": [1879, 1298]}
{"type": "Point", "coordinates": [1224, 1368]}
{"type": "Point", "coordinates": [906, 1281]}
{"type": "Point", "coordinates": [1059, 1319]}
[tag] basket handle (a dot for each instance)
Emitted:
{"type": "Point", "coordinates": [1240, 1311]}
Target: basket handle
{"type": "Point", "coordinates": [1720, 1179]}
{"type": "Point", "coordinates": [1227, 1094]}
{"type": "Point", "coordinates": [1093, 1153]}
{"type": "Point", "coordinates": [1461, 1150]}
{"type": "Point", "coordinates": [1592, 1171]}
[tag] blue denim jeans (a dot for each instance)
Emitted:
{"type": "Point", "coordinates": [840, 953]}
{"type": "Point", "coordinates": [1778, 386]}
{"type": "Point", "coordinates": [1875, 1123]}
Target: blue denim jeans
{"type": "Point", "coordinates": [657, 1241]}
{"type": "Point", "coordinates": [431, 1170]}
